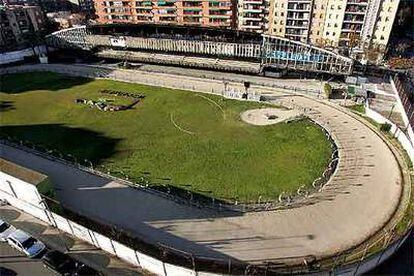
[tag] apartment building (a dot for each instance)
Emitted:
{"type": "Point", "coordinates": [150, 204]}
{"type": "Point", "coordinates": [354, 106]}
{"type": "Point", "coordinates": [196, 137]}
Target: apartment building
{"type": "Point", "coordinates": [253, 15]}
{"type": "Point", "coordinates": [52, 5]}
{"type": "Point", "coordinates": [17, 23]}
{"type": "Point", "coordinates": [336, 23]}
{"type": "Point", "coordinates": [216, 13]}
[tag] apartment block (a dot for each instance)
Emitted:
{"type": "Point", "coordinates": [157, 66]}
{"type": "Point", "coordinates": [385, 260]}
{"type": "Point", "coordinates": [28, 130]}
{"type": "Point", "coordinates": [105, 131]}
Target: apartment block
{"type": "Point", "coordinates": [54, 5]}
{"type": "Point", "coordinates": [17, 23]}
{"type": "Point", "coordinates": [253, 15]}
{"type": "Point", "coordinates": [336, 23]}
{"type": "Point", "coordinates": [217, 13]}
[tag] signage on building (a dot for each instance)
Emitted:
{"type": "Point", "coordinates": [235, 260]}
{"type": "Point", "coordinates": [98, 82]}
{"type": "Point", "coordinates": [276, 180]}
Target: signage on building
{"type": "Point", "coordinates": [118, 41]}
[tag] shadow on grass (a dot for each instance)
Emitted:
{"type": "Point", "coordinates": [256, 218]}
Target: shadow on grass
{"type": "Point", "coordinates": [6, 106]}
{"type": "Point", "coordinates": [63, 141]}
{"type": "Point", "coordinates": [26, 82]}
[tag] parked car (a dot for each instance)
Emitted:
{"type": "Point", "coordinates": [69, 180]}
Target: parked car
{"type": "Point", "coordinates": [5, 230]}
{"type": "Point", "coordinates": [25, 243]}
{"type": "Point", "coordinates": [65, 265]}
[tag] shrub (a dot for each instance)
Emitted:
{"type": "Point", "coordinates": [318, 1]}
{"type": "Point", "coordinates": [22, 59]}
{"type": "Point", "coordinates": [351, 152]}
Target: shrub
{"type": "Point", "coordinates": [386, 127]}
{"type": "Point", "coordinates": [328, 90]}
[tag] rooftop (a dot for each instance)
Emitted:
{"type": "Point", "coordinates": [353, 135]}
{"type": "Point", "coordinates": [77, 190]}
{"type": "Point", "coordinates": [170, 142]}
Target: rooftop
{"type": "Point", "coordinates": [22, 173]}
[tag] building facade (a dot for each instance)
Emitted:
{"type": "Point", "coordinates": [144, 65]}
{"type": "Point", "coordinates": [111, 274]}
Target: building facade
{"type": "Point", "coordinates": [253, 15]}
{"type": "Point", "coordinates": [18, 24]}
{"type": "Point", "coordinates": [335, 23]}
{"type": "Point", "coordinates": [347, 24]}
{"type": "Point", "coordinates": [48, 6]}
{"type": "Point", "coordinates": [218, 13]}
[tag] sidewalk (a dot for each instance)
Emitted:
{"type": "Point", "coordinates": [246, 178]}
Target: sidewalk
{"type": "Point", "coordinates": [58, 240]}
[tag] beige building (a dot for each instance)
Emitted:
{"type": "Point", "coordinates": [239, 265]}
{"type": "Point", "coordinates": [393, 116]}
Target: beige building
{"type": "Point", "coordinates": [343, 23]}
{"type": "Point", "coordinates": [253, 15]}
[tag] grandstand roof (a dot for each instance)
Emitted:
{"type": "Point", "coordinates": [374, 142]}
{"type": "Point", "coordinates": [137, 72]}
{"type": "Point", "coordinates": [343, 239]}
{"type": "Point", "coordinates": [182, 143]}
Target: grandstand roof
{"type": "Point", "coordinates": [165, 30]}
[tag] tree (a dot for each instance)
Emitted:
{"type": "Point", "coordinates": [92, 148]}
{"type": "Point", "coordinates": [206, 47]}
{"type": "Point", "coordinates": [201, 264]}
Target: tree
{"type": "Point", "coordinates": [34, 39]}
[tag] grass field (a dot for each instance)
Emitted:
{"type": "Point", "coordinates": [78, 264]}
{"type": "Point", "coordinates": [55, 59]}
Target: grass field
{"type": "Point", "coordinates": [196, 140]}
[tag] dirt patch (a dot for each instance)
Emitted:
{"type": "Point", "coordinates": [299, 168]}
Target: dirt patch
{"type": "Point", "coordinates": [268, 116]}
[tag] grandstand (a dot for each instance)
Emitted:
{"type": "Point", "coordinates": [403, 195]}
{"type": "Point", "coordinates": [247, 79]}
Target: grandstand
{"type": "Point", "coordinates": [200, 47]}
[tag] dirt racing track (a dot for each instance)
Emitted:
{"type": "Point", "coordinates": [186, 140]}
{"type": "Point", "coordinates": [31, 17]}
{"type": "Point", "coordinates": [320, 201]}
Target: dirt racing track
{"type": "Point", "coordinates": [359, 199]}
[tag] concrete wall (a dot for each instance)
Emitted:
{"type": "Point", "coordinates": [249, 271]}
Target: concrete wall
{"type": "Point", "coordinates": [395, 131]}
{"type": "Point", "coordinates": [404, 116]}
{"type": "Point", "coordinates": [16, 56]}
{"type": "Point", "coordinates": [20, 189]}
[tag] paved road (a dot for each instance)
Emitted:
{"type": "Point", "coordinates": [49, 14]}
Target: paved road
{"type": "Point", "coordinates": [12, 262]}
{"type": "Point", "coordinates": [358, 200]}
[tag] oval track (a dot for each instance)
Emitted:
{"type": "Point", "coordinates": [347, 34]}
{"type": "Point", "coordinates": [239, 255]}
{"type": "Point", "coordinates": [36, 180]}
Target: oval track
{"type": "Point", "coordinates": [358, 200]}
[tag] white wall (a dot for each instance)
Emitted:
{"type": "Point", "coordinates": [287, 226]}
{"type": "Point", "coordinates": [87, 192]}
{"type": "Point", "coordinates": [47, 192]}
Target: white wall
{"type": "Point", "coordinates": [396, 132]}
{"type": "Point", "coordinates": [22, 190]}
{"type": "Point", "coordinates": [15, 56]}
{"type": "Point", "coordinates": [404, 116]}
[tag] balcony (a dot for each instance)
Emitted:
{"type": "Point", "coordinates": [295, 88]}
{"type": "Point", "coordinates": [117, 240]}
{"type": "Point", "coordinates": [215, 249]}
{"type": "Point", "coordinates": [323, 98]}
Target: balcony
{"type": "Point", "coordinates": [358, 2]}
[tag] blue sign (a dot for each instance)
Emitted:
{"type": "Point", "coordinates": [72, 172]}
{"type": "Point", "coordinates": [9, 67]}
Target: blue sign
{"type": "Point", "coordinates": [294, 56]}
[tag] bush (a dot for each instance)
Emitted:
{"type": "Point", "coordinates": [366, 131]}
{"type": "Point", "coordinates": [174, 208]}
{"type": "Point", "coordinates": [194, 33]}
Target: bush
{"type": "Point", "coordinates": [328, 90]}
{"type": "Point", "coordinates": [386, 127]}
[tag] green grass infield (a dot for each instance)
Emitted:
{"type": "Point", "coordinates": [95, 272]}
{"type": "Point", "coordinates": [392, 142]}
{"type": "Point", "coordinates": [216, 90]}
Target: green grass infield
{"type": "Point", "coordinates": [190, 140]}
